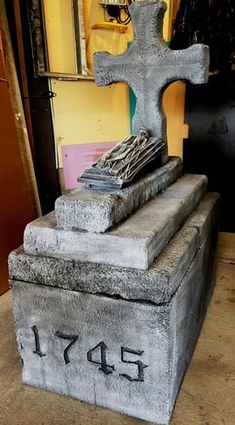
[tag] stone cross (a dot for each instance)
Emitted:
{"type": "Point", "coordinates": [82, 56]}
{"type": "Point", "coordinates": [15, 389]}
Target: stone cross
{"type": "Point", "coordinates": [149, 65]}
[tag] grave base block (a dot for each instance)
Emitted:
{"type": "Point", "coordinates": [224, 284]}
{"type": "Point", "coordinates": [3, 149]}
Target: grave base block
{"type": "Point", "coordinates": [127, 355]}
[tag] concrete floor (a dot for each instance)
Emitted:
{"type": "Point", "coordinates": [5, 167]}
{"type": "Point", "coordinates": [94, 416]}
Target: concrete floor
{"type": "Point", "coordinates": [207, 396]}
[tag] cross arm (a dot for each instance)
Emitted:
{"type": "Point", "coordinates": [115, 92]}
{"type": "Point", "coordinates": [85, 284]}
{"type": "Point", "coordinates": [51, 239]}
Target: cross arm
{"type": "Point", "coordinates": [193, 63]}
{"type": "Point", "coordinates": [109, 69]}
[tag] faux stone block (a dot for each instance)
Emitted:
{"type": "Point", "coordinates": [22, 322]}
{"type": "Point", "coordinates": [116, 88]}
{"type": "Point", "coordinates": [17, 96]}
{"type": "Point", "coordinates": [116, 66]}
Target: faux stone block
{"type": "Point", "coordinates": [135, 243]}
{"type": "Point", "coordinates": [145, 343]}
{"type": "Point", "coordinates": [157, 284]}
{"type": "Point", "coordinates": [97, 211]}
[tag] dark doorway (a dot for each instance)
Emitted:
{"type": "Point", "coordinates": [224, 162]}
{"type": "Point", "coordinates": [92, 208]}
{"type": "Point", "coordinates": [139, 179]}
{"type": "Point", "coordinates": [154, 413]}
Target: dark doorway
{"type": "Point", "coordinates": [210, 148]}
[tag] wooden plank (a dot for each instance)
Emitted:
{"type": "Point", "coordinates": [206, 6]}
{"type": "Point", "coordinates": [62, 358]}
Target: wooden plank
{"type": "Point", "coordinates": [23, 73]}
{"type": "Point", "coordinates": [16, 209]}
{"type": "Point", "coordinates": [2, 64]}
{"type": "Point", "coordinates": [17, 108]}
{"type": "Point", "coordinates": [42, 122]}
{"type": "Point", "coordinates": [19, 200]}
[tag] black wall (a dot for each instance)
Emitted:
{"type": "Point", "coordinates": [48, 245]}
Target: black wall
{"type": "Point", "coordinates": [210, 149]}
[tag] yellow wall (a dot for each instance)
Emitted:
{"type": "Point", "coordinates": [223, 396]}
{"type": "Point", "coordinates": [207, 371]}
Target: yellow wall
{"type": "Point", "coordinates": [59, 29]}
{"type": "Point", "coordinates": [84, 113]}
{"type": "Point", "coordinates": [174, 97]}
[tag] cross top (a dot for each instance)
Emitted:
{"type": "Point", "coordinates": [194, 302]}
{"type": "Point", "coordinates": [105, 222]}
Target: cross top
{"type": "Point", "coordinates": [149, 65]}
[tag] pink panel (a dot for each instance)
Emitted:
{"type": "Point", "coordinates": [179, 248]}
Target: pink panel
{"type": "Point", "coordinates": [77, 157]}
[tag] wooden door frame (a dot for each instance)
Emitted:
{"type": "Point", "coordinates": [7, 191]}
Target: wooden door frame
{"type": "Point", "coordinates": [19, 195]}
{"type": "Point", "coordinates": [18, 110]}
{"type": "Point", "coordinates": [35, 93]}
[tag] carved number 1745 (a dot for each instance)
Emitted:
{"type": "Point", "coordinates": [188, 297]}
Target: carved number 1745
{"type": "Point", "coordinates": [104, 366]}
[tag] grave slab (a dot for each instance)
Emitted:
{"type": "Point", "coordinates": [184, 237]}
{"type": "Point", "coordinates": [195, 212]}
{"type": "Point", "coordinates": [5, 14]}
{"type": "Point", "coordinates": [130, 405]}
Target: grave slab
{"type": "Point", "coordinates": [156, 285]}
{"type": "Point", "coordinates": [127, 355]}
{"type": "Point", "coordinates": [134, 243]}
{"type": "Point", "coordinates": [97, 211]}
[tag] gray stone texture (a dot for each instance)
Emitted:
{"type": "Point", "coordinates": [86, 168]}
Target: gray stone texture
{"type": "Point", "coordinates": [165, 334]}
{"type": "Point", "coordinates": [156, 285]}
{"type": "Point", "coordinates": [149, 66]}
{"type": "Point", "coordinates": [97, 211]}
{"type": "Point", "coordinates": [135, 243]}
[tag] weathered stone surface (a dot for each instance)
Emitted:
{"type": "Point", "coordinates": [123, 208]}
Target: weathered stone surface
{"type": "Point", "coordinates": [134, 243]}
{"type": "Point", "coordinates": [156, 285]}
{"type": "Point", "coordinates": [60, 334]}
{"type": "Point", "coordinates": [97, 211]}
{"type": "Point", "coordinates": [149, 65]}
